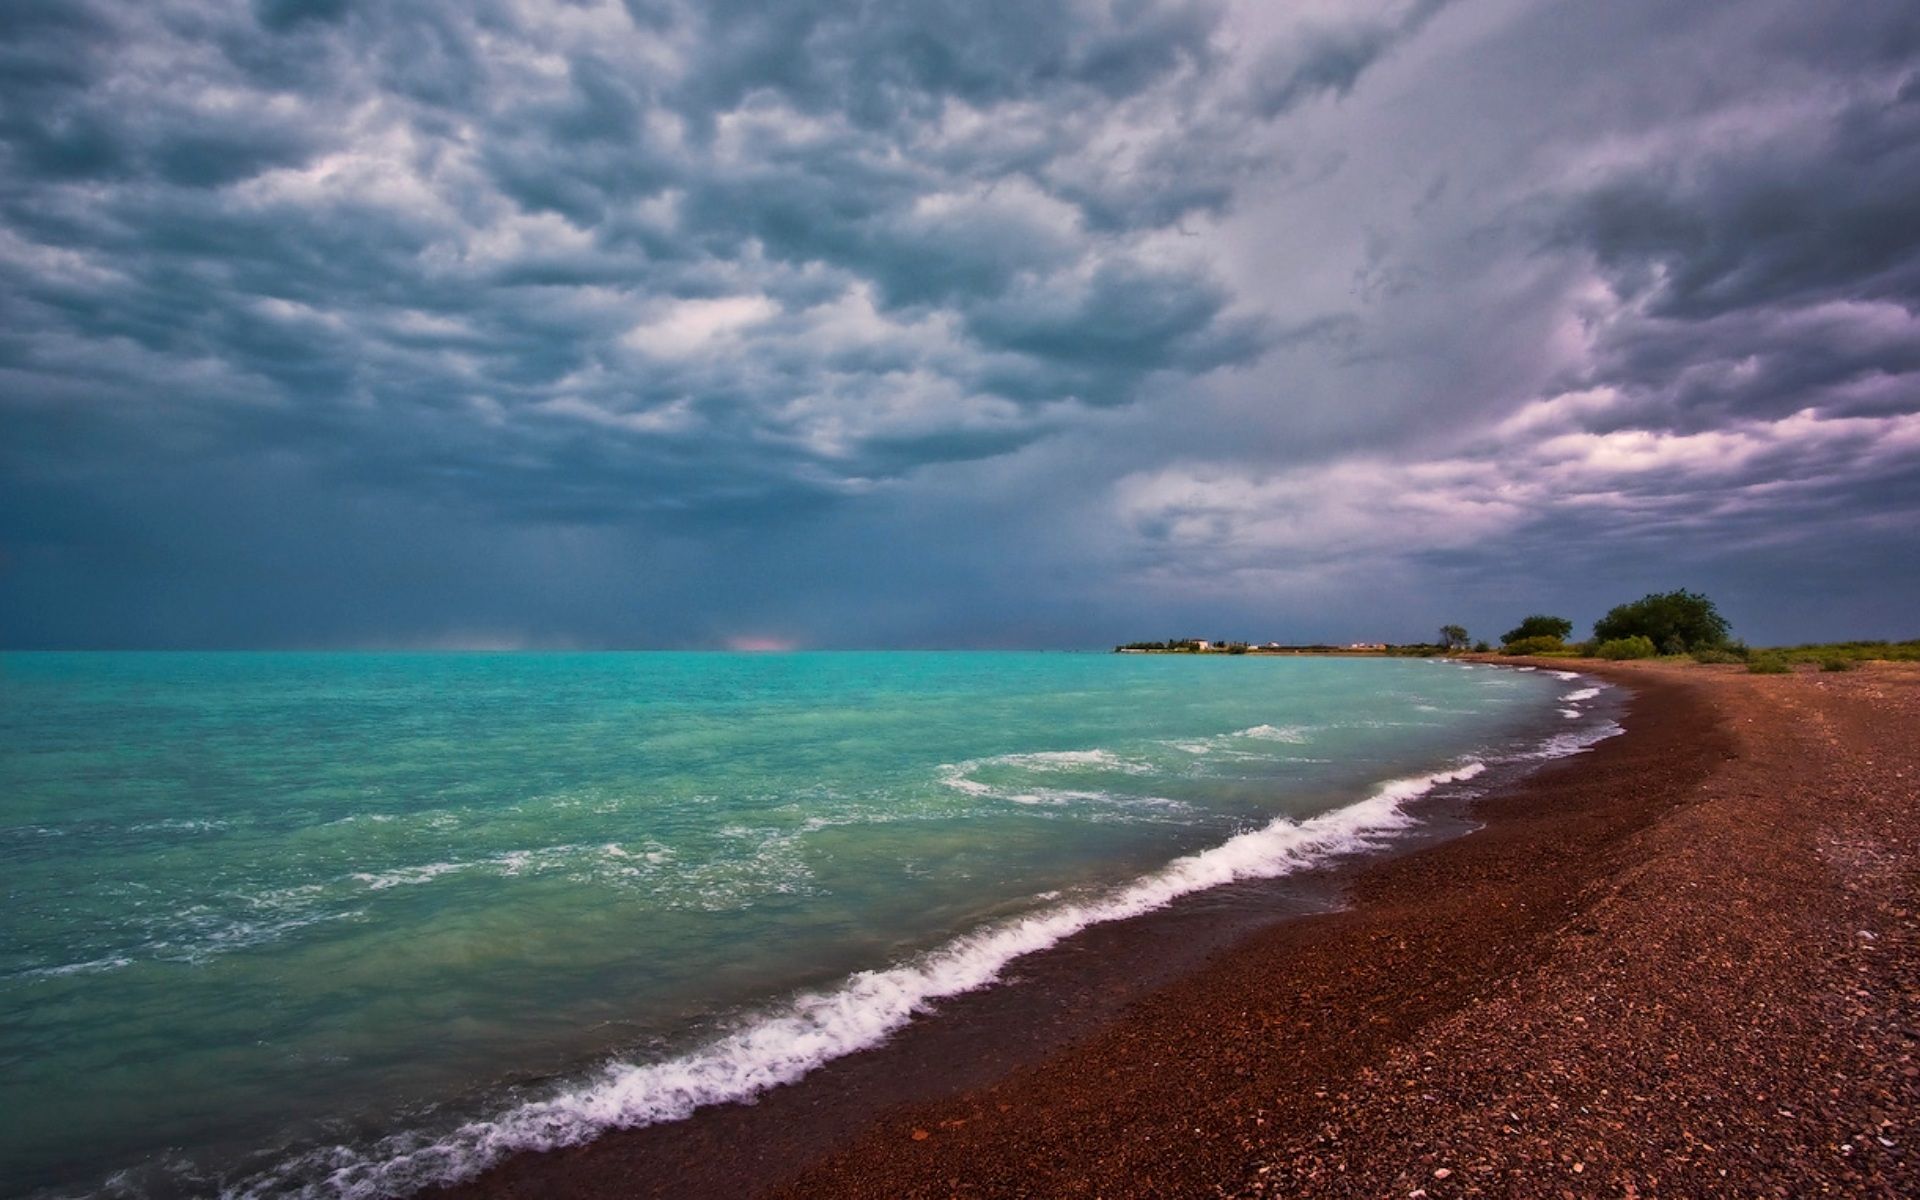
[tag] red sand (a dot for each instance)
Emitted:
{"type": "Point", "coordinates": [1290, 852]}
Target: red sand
{"type": "Point", "coordinates": [1682, 964]}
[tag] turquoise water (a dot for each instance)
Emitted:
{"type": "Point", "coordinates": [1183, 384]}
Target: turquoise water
{"type": "Point", "coordinates": [344, 923]}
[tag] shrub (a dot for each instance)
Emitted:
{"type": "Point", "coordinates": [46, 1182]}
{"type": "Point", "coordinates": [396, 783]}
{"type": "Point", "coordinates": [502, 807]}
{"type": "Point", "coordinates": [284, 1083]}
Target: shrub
{"type": "Point", "coordinates": [1482, 648]}
{"type": "Point", "coordinates": [1626, 647]}
{"type": "Point", "coordinates": [1768, 664]}
{"type": "Point", "coordinates": [1836, 664]}
{"type": "Point", "coordinates": [1681, 619]}
{"type": "Point", "coordinates": [1538, 626]}
{"type": "Point", "coordinates": [1716, 655]}
{"type": "Point", "coordinates": [1535, 645]}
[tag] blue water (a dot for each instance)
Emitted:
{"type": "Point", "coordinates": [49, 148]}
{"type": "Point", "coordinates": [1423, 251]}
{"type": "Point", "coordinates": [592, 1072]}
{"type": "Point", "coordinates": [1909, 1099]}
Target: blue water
{"type": "Point", "coordinates": [345, 923]}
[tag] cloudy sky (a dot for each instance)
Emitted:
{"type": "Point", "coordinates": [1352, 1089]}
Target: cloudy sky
{"type": "Point", "coordinates": [952, 322]}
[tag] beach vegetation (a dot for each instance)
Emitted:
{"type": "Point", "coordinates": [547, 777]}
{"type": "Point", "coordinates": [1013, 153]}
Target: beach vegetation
{"type": "Point", "coordinates": [1481, 647]}
{"type": "Point", "coordinates": [1534, 645]}
{"type": "Point", "coordinates": [1676, 622]}
{"type": "Point", "coordinates": [1454, 637]}
{"type": "Point", "coordinates": [1716, 654]}
{"type": "Point", "coordinates": [1837, 664]}
{"type": "Point", "coordinates": [1856, 651]}
{"type": "Point", "coordinates": [1637, 646]}
{"type": "Point", "coordinates": [1768, 664]}
{"type": "Point", "coordinates": [1538, 626]}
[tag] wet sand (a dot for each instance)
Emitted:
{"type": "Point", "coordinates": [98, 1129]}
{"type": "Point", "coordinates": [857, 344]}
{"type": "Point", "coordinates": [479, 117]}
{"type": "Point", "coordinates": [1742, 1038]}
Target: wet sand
{"type": "Point", "coordinates": [1680, 964]}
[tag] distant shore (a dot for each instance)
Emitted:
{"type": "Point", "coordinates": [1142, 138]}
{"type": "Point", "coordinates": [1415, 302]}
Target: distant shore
{"type": "Point", "coordinates": [1681, 963]}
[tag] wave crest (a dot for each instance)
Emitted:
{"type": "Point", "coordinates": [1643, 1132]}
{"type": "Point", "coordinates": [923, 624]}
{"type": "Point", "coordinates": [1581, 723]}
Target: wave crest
{"type": "Point", "coordinates": [815, 1028]}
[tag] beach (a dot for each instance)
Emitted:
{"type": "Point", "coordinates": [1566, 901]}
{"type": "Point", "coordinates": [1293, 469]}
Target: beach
{"type": "Point", "coordinates": [1680, 963]}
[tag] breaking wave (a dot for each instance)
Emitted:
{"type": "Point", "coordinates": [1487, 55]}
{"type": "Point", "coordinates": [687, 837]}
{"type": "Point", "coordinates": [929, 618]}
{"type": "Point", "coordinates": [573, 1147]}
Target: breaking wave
{"type": "Point", "coordinates": [782, 1045]}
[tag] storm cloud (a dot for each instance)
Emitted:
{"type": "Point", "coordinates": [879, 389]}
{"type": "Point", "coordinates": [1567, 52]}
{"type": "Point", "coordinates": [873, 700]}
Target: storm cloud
{"type": "Point", "coordinates": [332, 323]}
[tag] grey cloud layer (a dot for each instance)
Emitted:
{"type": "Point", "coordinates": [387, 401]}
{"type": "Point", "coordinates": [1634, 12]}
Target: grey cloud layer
{"type": "Point", "coordinates": [403, 237]}
{"type": "Point", "coordinates": [588, 321]}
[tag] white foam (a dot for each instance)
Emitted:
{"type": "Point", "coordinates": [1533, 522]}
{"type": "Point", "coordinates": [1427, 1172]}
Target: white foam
{"type": "Point", "coordinates": [92, 967]}
{"type": "Point", "coordinates": [955, 776]}
{"type": "Point", "coordinates": [1053, 796]}
{"type": "Point", "coordinates": [815, 1028]}
{"type": "Point", "coordinates": [1561, 745]}
{"type": "Point", "coordinates": [223, 935]}
{"type": "Point", "coordinates": [1571, 714]}
{"type": "Point", "coordinates": [1581, 694]}
{"type": "Point", "coordinates": [1233, 745]}
{"type": "Point", "coordinates": [1068, 759]}
{"type": "Point", "coordinates": [380, 881]}
{"type": "Point", "coordinates": [960, 776]}
{"type": "Point", "coordinates": [1564, 674]}
{"type": "Point", "coordinates": [1294, 734]}
{"type": "Point", "coordinates": [32, 831]}
{"type": "Point", "coordinates": [178, 825]}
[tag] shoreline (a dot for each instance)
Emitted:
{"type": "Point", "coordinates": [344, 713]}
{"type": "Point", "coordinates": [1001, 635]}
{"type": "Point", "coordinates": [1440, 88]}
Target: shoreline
{"type": "Point", "coordinates": [1681, 964]}
{"type": "Point", "coordinates": [1049, 1004]}
{"type": "Point", "coordinates": [1671, 964]}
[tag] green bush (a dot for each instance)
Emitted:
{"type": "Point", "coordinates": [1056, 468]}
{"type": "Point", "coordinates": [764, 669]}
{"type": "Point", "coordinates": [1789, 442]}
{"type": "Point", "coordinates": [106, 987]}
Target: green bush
{"type": "Point", "coordinates": [1540, 625]}
{"type": "Point", "coordinates": [1535, 645]}
{"type": "Point", "coordinates": [1716, 656]}
{"type": "Point", "coordinates": [1626, 647]}
{"type": "Point", "coordinates": [1768, 664]}
{"type": "Point", "coordinates": [1836, 664]}
{"type": "Point", "coordinates": [1679, 620]}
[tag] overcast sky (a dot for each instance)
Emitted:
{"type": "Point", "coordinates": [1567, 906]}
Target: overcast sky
{"type": "Point", "coordinates": [968, 322]}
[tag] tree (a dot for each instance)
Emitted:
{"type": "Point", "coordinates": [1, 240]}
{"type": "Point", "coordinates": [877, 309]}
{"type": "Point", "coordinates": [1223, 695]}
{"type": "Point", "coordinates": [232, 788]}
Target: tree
{"type": "Point", "coordinates": [1680, 620]}
{"type": "Point", "coordinates": [1538, 626]}
{"type": "Point", "coordinates": [1453, 637]}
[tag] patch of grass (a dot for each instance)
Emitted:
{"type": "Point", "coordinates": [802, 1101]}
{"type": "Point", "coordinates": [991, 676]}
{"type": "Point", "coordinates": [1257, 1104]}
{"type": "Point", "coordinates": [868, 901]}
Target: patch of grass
{"type": "Point", "coordinates": [1717, 655]}
{"type": "Point", "coordinates": [1837, 664]}
{"type": "Point", "coordinates": [1769, 664]}
{"type": "Point", "coordinates": [1854, 652]}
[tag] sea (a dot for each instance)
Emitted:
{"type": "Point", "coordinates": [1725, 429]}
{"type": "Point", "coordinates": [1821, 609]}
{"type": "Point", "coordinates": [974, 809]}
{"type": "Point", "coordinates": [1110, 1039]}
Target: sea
{"type": "Point", "coordinates": [349, 924]}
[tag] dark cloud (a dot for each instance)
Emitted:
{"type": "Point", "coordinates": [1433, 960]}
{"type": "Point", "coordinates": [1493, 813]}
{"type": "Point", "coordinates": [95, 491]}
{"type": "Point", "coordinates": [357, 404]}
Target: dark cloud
{"type": "Point", "coordinates": [879, 67]}
{"type": "Point", "coordinates": [324, 321]}
{"type": "Point", "coordinates": [282, 15]}
{"type": "Point", "coordinates": [1806, 214]}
